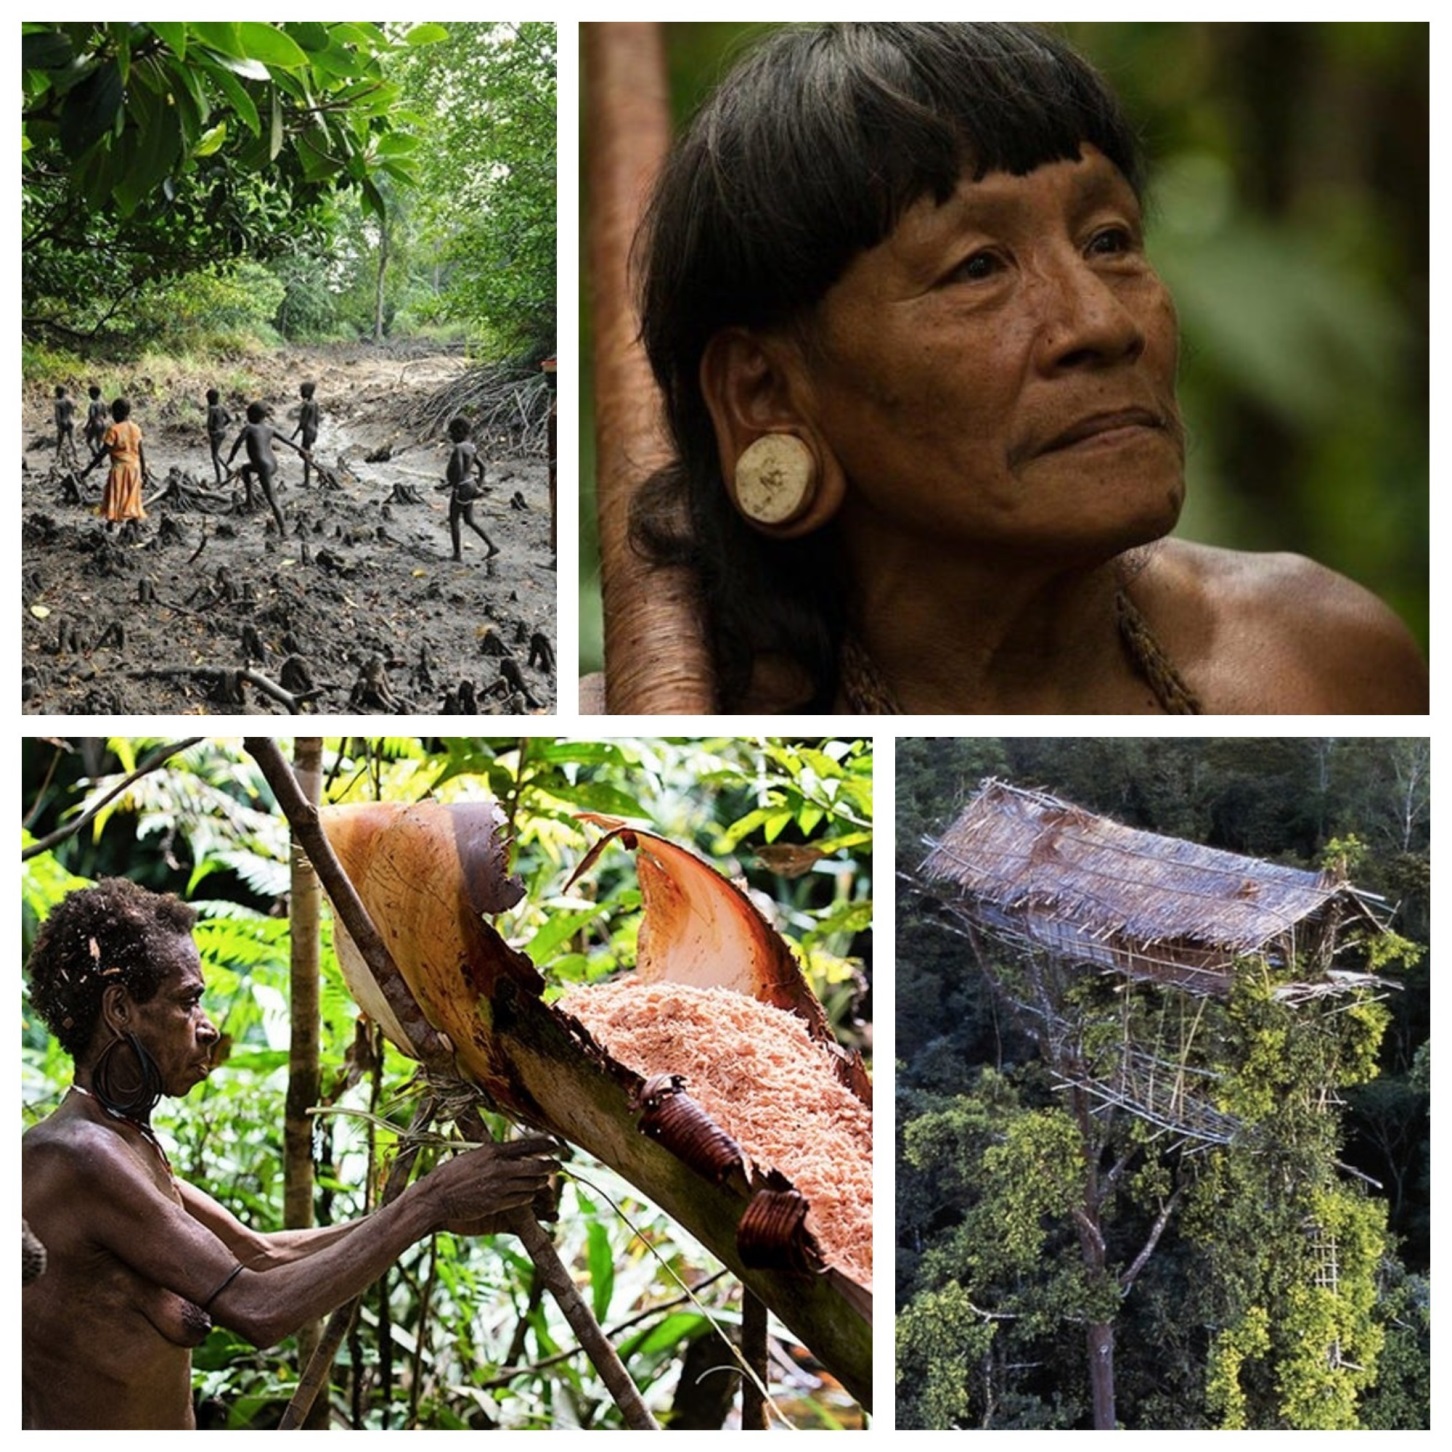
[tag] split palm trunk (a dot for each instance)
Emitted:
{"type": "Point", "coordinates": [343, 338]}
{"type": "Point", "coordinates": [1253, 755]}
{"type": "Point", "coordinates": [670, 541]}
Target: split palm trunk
{"type": "Point", "coordinates": [431, 875]}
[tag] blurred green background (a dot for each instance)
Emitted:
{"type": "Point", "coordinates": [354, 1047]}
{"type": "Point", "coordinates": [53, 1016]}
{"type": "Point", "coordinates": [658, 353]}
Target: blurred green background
{"type": "Point", "coordinates": [1289, 214]}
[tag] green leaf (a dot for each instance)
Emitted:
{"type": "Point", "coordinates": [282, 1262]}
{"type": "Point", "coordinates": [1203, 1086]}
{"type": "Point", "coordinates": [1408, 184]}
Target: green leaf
{"type": "Point", "coordinates": [248, 69]}
{"type": "Point", "coordinates": [154, 144]}
{"type": "Point", "coordinates": [211, 140]}
{"type": "Point", "coordinates": [776, 824]}
{"type": "Point", "coordinates": [310, 34]}
{"type": "Point", "coordinates": [666, 1335]}
{"type": "Point", "coordinates": [397, 143]}
{"type": "Point", "coordinates": [599, 797]}
{"type": "Point", "coordinates": [219, 35]}
{"type": "Point", "coordinates": [601, 1260]}
{"type": "Point", "coordinates": [237, 94]}
{"type": "Point", "coordinates": [427, 32]}
{"type": "Point", "coordinates": [91, 110]}
{"type": "Point", "coordinates": [173, 35]}
{"type": "Point", "coordinates": [374, 199]}
{"type": "Point", "coordinates": [45, 50]}
{"type": "Point", "coordinates": [559, 927]}
{"type": "Point", "coordinates": [191, 102]}
{"type": "Point", "coordinates": [400, 171]}
{"type": "Point", "coordinates": [275, 135]}
{"type": "Point", "coordinates": [271, 46]}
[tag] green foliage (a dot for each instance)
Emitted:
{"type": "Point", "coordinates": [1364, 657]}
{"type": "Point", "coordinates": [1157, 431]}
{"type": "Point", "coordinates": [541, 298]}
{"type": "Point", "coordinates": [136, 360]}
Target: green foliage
{"type": "Point", "coordinates": [485, 209]}
{"type": "Point", "coordinates": [152, 149]}
{"type": "Point", "coordinates": [939, 1338]}
{"type": "Point", "coordinates": [470, 1339]}
{"type": "Point", "coordinates": [1248, 1339]}
{"type": "Point", "coordinates": [212, 308]}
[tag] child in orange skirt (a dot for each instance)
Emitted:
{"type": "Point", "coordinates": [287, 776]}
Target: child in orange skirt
{"type": "Point", "coordinates": [122, 441]}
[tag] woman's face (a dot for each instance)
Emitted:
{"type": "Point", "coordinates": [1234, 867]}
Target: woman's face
{"type": "Point", "coordinates": [999, 372]}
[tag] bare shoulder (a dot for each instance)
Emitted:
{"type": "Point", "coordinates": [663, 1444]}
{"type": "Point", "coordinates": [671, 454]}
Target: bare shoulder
{"type": "Point", "coordinates": [71, 1156]}
{"type": "Point", "coordinates": [1278, 633]}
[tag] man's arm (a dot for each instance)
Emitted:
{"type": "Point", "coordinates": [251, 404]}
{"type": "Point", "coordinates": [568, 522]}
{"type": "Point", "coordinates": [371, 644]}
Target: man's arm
{"type": "Point", "coordinates": [122, 1210]}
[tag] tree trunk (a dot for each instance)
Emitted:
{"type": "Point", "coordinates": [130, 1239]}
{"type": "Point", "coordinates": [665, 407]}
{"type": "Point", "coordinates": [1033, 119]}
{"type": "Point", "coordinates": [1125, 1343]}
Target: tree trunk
{"type": "Point", "coordinates": [1100, 1343]}
{"type": "Point", "coordinates": [1101, 1374]}
{"type": "Point", "coordinates": [303, 1074]}
{"type": "Point", "coordinates": [378, 282]}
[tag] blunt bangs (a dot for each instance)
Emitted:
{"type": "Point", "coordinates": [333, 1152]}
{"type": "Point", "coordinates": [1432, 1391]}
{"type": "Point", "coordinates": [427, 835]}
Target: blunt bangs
{"type": "Point", "coordinates": [815, 145]}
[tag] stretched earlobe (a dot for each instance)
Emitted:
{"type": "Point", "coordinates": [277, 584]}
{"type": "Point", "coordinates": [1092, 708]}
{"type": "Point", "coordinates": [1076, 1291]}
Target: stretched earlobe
{"type": "Point", "coordinates": [778, 477]}
{"type": "Point", "coordinates": [116, 1007]}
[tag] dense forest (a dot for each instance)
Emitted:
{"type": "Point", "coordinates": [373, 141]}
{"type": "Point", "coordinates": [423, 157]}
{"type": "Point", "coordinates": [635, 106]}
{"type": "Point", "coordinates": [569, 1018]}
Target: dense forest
{"type": "Point", "coordinates": [459, 1333]}
{"type": "Point", "coordinates": [228, 184]}
{"type": "Point", "coordinates": [1202, 1263]}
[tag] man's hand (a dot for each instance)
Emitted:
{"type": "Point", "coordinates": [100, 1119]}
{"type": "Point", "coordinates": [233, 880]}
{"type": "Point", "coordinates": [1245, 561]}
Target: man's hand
{"type": "Point", "coordinates": [469, 1193]}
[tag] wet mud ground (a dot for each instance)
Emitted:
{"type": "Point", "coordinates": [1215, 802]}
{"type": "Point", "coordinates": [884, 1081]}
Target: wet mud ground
{"type": "Point", "coordinates": [359, 609]}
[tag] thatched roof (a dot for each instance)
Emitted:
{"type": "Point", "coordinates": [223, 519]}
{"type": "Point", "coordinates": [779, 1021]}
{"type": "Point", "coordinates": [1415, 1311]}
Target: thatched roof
{"type": "Point", "coordinates": [1086, 885]}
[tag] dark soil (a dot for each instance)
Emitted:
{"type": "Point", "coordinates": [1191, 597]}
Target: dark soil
{"type": "Point", "coordinates": [202, 609]}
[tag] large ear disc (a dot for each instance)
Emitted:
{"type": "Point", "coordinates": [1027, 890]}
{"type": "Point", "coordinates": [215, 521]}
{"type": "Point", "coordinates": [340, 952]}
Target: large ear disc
{"type": "Point", "coordinates": [776, 480]}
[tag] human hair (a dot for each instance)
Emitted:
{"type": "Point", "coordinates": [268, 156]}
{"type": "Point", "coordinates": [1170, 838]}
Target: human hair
{"type": "Point", "coordinates": [213, 396]}
{"type": "Point", "coordinates": [114, 932]}
{"type": "Point", "coordinates": [807, 155]}
{"type": "Point", "coordinates": [121, 409]}
{"type": "Point", "coordinates": [256, 412]}
{"type": "Point", "coordinates": [94, 390]}
{"type": "Point", "coordinates": [458, 429]}
{"type": "Point", "coordinates": [60, 390]}
{"type": "Point", "coordinates": [308, 389]}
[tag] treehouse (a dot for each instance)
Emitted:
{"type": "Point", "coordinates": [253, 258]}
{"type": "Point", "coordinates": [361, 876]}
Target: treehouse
{"type": "Point", "coordinates": [1051, 896]}
{"type": "Point", "coordinates": [1039, 876]}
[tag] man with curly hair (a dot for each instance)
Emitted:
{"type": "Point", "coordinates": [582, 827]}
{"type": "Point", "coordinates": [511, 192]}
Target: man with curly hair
{"type": "Point", "coordinates": [139, 1264]}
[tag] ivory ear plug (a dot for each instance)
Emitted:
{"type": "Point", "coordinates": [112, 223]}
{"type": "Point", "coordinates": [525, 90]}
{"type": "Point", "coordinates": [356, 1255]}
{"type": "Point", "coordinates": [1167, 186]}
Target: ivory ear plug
{"type": "Point", "coordinates": [776, 479]}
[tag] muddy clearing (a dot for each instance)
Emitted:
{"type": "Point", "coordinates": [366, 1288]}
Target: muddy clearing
{"type": "Point", "coordinates": [201, 609]}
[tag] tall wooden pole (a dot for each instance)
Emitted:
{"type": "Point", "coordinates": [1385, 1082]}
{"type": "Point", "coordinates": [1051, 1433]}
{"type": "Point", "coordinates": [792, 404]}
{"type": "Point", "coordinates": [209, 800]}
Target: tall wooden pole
{"type": "Point", "coordinates": [655, 653]}
{"type": "Point", "coordinates": [303, 1073]}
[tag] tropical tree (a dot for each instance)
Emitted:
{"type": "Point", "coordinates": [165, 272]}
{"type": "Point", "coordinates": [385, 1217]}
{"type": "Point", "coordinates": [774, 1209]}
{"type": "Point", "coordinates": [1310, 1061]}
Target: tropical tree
{"type": "Point", "coordinates": [487, 168]}
{"type": "Point", "coordinates": [150, 149]}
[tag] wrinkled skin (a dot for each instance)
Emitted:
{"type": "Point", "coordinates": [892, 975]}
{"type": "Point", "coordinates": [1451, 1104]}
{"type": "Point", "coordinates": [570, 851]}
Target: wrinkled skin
{"type": "Point", "coordinates": [990, 392]}
{"type": "Point", "coordinates": [135, 1257]}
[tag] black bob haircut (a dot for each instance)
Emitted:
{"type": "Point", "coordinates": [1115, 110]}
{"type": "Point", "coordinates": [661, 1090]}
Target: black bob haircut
{"type": "Point", "coordinates": [808, 154]}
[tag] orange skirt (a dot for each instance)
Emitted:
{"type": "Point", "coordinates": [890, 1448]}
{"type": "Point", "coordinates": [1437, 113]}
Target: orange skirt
{"type": "Point", "coordinates": [121, 499]}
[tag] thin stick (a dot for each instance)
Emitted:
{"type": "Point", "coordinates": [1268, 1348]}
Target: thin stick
{"type": "Point", "coordinates": [753, 1352]}
{"type": "Point", "coordinates": [325, 1352]}
{"type": "Point", "coordinates": [436, 1053]}
{"type": "Point", "coordinates": [513, 1373]}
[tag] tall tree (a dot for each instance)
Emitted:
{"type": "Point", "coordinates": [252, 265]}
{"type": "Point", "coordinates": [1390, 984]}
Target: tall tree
{"type": "Point", "coordinates": [488, 176]}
